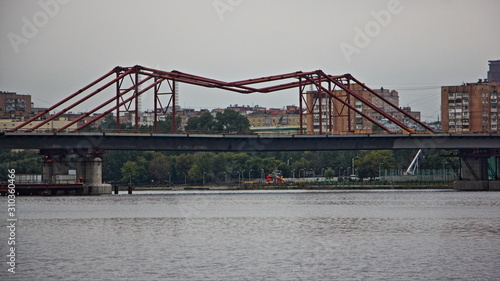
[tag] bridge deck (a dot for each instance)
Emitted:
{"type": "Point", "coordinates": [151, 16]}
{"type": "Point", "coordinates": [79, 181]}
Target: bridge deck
{"type": "Point", "coordinates": [242, 143]}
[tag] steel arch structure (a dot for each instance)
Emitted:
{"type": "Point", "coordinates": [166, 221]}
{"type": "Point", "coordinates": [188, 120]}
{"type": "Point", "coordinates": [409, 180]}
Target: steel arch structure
{"type": "Point", "coordinates": [129, 83]}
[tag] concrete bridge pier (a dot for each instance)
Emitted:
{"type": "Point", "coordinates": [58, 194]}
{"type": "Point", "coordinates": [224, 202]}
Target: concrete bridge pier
{"type": "Point", "coordinates": [52, 166]}
{"type": "Point", "coordinates": [479, 170]}
{"type": "Point", "coordinates": [88, 169]}
{"type": "Point", "coordinates": [89, 172]}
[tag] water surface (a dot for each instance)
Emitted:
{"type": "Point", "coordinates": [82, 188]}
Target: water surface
{"type": "Point", "coordinates": [258, 235]}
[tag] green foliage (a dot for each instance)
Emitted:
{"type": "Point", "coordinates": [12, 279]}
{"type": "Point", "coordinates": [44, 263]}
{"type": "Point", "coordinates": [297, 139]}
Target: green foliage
{"type": "Point", "coordinates": [203, 123]}
{"type": "Point", "coordinates": [232, 121]}
{"type": "Point", "coordinates": [228, 121]}
{"type": "Point", "coordinates": [145, 166]}
{"type": "Point", "coordinates": [160, 168]}
{"type": "Point", "coordinates": [368, 165]}
{"type": "Point", "coordinates": [130, 172]}
{"type": "Point", "coordinates": [23, 161]}
{"type": "Point", "coordinates": [329, 173]}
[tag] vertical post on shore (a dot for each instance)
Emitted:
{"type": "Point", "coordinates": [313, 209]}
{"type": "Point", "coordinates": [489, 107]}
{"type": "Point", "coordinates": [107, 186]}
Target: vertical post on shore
{"type": "Point", "coordinates": [129, 189]}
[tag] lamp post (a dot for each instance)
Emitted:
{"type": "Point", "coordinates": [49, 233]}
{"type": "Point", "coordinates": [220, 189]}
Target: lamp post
{"type": "Point", "coordinates": [249, 171]}
{"type": "Point", "coordinates": [380, 171]}
{"type": "Point", "coordinates": [169, 179]}
{"type": "Point", "coordinates": [340, 169]}
{"type": "Point", "coordinates": [185, 179]}
{"type": "Point", "coordinates": [238, 178]}
{"type": "Point", "coordinates": [225, 177]}
{"type": "Point", "coordinates": [204, 177]}
{"type": "Point", "coordinates": [353, 170]}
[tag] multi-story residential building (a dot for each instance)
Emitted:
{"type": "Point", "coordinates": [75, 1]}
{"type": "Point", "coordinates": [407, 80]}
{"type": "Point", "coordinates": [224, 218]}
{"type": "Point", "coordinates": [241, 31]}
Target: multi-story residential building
{"type": "Point", "coordinates": [470, 108]}
{"type": "Point", "coordinates": [14, 106]}
{"type": "Point", "coordinates": [336, 118]}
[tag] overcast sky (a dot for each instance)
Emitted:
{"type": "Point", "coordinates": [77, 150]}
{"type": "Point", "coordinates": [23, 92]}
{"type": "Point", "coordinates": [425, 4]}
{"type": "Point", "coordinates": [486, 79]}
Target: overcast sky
{"type": "Point", "coordinates": [52, 48]}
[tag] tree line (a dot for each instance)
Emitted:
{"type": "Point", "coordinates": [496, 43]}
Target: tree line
{"type": "Point", "coordinates": [145, 167]}
{"type": "Point", "coordinates": [217, 168]}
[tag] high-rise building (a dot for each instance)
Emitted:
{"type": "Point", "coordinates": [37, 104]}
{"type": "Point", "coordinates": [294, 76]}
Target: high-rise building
{"type": "Point", "coordinates": [494, 72]}
{"type": "Point", "coordinates": [470, 108]}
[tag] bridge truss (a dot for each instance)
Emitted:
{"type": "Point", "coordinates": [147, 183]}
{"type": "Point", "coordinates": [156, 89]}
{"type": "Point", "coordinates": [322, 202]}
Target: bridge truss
{"type": "Point", "coordinates": [123, 87]}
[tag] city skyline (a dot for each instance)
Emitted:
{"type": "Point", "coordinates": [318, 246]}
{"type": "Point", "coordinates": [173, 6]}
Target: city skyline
{"type": "Point", "coordinates": [52, 48]}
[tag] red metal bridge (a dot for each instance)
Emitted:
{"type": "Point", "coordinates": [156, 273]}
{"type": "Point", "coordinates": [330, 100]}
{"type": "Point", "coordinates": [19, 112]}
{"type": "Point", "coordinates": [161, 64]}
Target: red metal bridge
{"type": "Point", "coordinates": [123, 86]}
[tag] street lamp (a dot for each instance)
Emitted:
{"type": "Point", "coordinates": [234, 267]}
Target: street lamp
{"type": "Point", "coordinates": [239, 181]}
{"type": "Point", "coordinates": [353, 164]}
{"type": "Point", "coordinates": [249, 171]}
{"type": "Point", "coordinates": [185, 179]}
{"type": "Point", "coordinates": [204, 177]}
{"type": "Point", "coordinates": [379, 171]}
{"type": "Point", "coordinates": [340, 169]}
{"type": "Point", "coordinates": [225, 177]}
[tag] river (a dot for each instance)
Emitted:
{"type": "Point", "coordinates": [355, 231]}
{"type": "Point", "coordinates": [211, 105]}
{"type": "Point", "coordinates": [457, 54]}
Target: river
{"type": "Point", "coordinates": [257, 235]}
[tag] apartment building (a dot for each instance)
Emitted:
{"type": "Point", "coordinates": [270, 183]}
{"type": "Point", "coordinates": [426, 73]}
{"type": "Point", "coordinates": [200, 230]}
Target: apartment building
{"type": "Point", "coordinates": [470, 108]}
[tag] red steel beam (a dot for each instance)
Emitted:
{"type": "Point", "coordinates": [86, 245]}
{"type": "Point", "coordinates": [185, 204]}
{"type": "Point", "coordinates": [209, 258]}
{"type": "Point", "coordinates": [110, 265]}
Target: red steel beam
{"type": "Point", "coordinates": [118, 105]}
{"type": "Point", "coordinates": [393, 105]}
{"type": "Point", "coordinates": [66, 99]}
{"type": "Point", "coordinates": [100, 106]}
{"type": "Point", "coordinates": [79, 101]}
{"type": "Point", "coordinates": [237, 86]}
{"type": "Point", "coordinates": [192, 81]}
{"type": "Point", "coordinates": [372, 106]}
{"type": "Point", "coordinates": [350, 106]}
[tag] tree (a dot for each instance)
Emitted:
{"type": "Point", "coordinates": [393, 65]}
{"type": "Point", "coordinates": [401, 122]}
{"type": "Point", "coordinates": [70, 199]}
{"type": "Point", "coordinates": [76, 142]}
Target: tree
{"type": "Point", "coordinates": [228, 121]}
{"type": "Point", "coordinates": [23, 161]}
{"type": "Point", "coordinates": [202, 168]}
{"type": "Point", "coordinates": [231, 121]}
{"type": "Point", "coordinates": [369, 164]}
{"type": "Point", "coordinates": [130, 171]}
{"type": "Point", "coordinates": [203, 123]}
{"type": "Point", "coordinates": [160, 167]}
{"type": "Point", "coordinates": [329, 173]}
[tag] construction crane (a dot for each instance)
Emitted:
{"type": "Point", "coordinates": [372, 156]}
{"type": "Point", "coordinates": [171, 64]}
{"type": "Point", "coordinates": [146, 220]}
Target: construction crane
{"type": "Point", "coordinates": [414, 164]}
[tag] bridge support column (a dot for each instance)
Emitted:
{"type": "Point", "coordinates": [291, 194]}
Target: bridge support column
{"type": "Point", "coordinates": [89, 172]}
{"type": "Point", "coordinates": [54, 163]}
{"type": "Point", "coordinates": [477, 173]}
